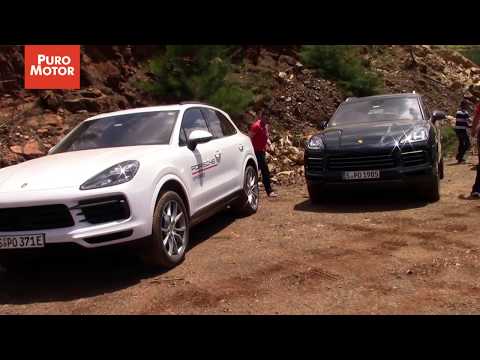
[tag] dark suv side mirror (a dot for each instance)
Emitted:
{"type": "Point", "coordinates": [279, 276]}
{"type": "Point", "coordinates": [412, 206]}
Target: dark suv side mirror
{"type": "Point", "coordinates": [438, 115]}
{"type": "Point", "coordinates": [323, 124]}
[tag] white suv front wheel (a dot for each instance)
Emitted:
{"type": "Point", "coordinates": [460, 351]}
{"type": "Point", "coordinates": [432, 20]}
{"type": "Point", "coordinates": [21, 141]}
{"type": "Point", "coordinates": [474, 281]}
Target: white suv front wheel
{"type": "Point", "coordinates": [170, 233]}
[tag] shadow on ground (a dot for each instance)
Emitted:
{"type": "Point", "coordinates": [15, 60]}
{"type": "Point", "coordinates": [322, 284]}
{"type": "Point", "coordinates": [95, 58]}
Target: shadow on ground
{"type": "Point", "coordinates": [471, 165]}
{"type": "Point", "coordinates": [74, 277]}
{"type": "Point", "coordinates": [358, 200]}
{"type": "Point", "coordinates": [468, 197]}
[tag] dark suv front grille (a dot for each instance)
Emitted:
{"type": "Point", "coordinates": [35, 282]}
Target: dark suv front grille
{"type": "Point", "coordinates": [360, 162]}
{"type": "Point", "coordinates": [315, 164]}
{"type": "Point", "coordinates": [35, 218]}
{"type": "Point", "coordinates": [414, 158]}
{"type": "Point", "coordinates": [103, 210]}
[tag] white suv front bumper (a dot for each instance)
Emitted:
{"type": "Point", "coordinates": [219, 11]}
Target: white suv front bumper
{"type": "Point", "coordinates": [138, 225]}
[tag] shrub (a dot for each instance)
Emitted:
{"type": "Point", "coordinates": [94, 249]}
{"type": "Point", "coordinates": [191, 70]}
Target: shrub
{"type": "Point", "coordinates": [342, 63]}
{"type": "Point", "coordinates": [198, 72]}
{"type": "Point", "coordinates": [449, 140]}
{"type": "Point", "coordinates": [232, 99]}
{"type": "Point", "coordinates": [471, 52]}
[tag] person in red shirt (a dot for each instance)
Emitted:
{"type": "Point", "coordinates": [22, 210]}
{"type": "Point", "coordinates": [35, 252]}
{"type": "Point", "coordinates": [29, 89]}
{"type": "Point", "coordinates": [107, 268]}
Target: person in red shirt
{"type": "Point", "coordinates": [476, 133]}
{"type": "Point", "coordinates": [260, 139]}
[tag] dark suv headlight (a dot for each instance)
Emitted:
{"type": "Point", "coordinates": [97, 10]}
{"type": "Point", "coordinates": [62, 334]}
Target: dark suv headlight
{"type": "Point", "coordinates": [415, 135]}
{"type": "Point", "coordinates": [316, 143]}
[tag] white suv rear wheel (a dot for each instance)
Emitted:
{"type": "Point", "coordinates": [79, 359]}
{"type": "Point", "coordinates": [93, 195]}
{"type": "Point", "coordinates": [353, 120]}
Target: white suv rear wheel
{"type": "Point", "coordinates": [248, 202]}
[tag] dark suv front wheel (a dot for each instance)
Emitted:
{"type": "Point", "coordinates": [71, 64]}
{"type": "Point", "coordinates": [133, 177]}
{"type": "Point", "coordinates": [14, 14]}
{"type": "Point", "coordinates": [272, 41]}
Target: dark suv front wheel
{"type": "Point", "coordinates": [431, 189]}
{"type": "Point", "coordinates": [315, 193]}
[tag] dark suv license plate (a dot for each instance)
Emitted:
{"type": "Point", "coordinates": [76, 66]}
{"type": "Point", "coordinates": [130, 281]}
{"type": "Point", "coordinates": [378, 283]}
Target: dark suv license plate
{"type": "Point", "coordinates": [360, 175]}
{"type": "Point", "coordinates": [22, 241]}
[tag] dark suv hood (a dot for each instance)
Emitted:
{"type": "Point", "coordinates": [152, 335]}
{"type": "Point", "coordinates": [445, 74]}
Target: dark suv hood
{"type": "Point", "coordinates": [377, 134]}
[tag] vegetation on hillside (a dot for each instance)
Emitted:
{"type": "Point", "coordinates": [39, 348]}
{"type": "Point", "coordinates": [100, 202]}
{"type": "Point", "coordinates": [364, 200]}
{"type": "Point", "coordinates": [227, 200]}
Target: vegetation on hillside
{"type": "Point", "coordinates": [449, 140]}
{"type": "Point", "coordinates": [471, 52]}
{"type": "Point", "coordinates": [198, 72]}
{"type": "Point", "coordinates": [343, 64]}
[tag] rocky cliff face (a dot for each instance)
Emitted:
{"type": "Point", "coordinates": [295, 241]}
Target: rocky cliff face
{"type": "Point", "coordinates": [33, 121]}
{"type": "Point", "coordinates": [442, 75]}
{"type": "Point", "coordinates": [295, 99]}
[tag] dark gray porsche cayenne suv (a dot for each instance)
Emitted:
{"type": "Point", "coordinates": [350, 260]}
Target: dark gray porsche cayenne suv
{"type": "Point", "coordinates": [377, 139]}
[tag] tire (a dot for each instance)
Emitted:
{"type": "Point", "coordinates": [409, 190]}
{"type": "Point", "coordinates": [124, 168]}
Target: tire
{"type": "Point", "coordinates": [248, 202]}
{"type": "Point", "coordinates": [441, 170]}
{"type": "Point", "coordinates": [15, 264]}
{"type": "Point", "coordinates": [315, 193]}
{"type": "Point", "coordinates": [431, 191]}
{"type": "Point", "coordinates": [169, 240]}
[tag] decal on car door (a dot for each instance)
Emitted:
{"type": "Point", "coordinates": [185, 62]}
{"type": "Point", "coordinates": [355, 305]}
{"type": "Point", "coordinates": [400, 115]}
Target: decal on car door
{"type": "Point", "coordinates": [200, 168]}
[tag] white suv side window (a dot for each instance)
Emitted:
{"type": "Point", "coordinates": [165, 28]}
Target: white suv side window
{"type": "Point", "coordinates": [227, 127]}
{"type": "Point", "coordinates": [219, 125]}
{"type": "Point", "coordinates": [192, 120]}
{"type": "Point", "coordinates": [213, 123]}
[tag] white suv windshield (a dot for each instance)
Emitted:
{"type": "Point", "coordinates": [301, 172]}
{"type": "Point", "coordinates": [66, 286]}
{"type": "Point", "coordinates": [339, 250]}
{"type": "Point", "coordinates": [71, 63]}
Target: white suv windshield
{"type": "Point", "coordinates": [146, 128]}
{"type": "Point", "coordinates": [377, 110]}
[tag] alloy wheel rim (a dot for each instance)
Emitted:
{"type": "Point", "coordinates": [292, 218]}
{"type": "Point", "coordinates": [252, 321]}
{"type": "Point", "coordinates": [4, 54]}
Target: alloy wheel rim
{"type": "Point", "coordinates": [173, 228]}
{"type": "Point", "coordinates": [251, 188]}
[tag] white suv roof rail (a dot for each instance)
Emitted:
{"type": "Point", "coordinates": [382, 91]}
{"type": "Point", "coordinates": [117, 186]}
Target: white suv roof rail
{"type": "Point", "coordinates": [192, 102]}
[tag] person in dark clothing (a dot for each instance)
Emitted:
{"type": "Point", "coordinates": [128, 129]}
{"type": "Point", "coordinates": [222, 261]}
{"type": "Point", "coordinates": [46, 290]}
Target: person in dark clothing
{"type": "Point", "coordinates": [476, 133]}
{"type": "Point", "coordinates": [260, 139]}
{"type": "Point", "coordinates": [462, 124]}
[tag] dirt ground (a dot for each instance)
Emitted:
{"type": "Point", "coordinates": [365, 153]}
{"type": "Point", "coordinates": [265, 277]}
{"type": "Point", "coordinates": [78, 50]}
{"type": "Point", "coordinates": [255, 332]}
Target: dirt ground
{"type": "Point", "coordinates": [376, 252]}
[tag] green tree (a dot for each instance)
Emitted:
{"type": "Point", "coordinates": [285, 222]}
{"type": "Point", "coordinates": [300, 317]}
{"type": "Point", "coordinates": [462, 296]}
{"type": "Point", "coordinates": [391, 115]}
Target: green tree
{"type": "Point", "coordinates": [198, 72]}
{"type": "Point", "coordinates": [343, 64]}
{"type": "Point", "coordinates": [473, 53]}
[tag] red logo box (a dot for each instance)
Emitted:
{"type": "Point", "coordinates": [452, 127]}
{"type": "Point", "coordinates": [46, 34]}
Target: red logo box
{"type": "Point", "coordinates": [52, 66]}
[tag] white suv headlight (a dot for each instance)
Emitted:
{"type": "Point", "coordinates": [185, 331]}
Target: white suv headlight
{"type": "Point", "coordinates": [115, 175]}
{"type": "Point", "coordinates": [316, 143]}
{"type": "Point", "coordinates": [415, 135]}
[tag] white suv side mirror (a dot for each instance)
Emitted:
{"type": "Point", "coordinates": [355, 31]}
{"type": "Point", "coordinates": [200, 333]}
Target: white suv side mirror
{"type": "Point", "coordinates": [51, 150]}
{"type": "Point", "coordinates": [198, 137]}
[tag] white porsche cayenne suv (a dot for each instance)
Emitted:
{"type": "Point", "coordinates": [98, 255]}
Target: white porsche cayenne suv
{"type": "Point", "coordinates": [145, 174]}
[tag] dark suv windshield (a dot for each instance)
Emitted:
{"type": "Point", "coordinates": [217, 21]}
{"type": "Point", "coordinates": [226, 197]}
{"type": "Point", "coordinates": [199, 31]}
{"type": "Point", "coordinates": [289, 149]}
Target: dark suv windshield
{"type": "Point", "coordinates": [147, 128]}
{"type": "Point", "coordinates": [376, 110]}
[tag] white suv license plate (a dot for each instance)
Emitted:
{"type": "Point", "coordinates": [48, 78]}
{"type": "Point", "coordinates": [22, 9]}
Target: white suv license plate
{"type": "Point", "coordinates": [361, 175]}
{"type": "Point", "coordinates": [22, 241]}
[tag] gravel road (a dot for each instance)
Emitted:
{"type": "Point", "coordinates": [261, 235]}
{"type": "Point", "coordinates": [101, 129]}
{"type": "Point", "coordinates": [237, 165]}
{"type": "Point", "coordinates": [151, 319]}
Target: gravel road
{"type": "Point", "coordinates": [375, 252]}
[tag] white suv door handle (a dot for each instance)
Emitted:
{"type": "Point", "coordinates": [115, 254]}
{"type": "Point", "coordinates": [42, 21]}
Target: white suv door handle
{"type": "Point", "coordinates": [240, 147]}
{"type": "Point", "coordinates": [218, 154]}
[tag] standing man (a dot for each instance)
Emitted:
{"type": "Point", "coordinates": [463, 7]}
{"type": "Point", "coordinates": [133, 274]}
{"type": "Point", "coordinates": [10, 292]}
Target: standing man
{"type": "Point", "coordinates": [260, 139]}
{"type": "Point", "coordinates": [462, 123]}
{"type": "Point", "coordinates": [476, 133]}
